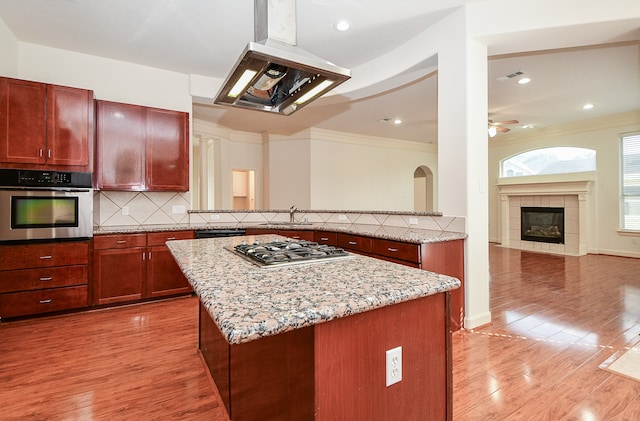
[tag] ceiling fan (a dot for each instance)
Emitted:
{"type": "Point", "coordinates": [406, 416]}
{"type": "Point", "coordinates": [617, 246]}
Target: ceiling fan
{"type": "Point", "coordinates": [497, 126]}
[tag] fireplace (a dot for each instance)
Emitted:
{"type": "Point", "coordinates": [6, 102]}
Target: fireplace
{"type": "Point", "coordinates": [542, 224]}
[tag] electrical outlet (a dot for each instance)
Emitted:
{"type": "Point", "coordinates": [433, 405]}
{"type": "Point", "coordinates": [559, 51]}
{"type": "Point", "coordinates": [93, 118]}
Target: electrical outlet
{"type": "Point", "coordinates": [214, 217]}
{"type": "Point", "coordinates": [178, 209]}
{"type": "Point", "coordinates": [413, 221]}
{"type": "Point", "coordinates": [394, 365]}
{"type": "Point", "coordinates": [125, 210]}
{"type": "Point", "coordinates": [342, 217]}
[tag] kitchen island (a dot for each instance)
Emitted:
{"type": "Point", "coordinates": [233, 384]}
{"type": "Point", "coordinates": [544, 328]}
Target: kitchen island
{"type": "Point", "coordinates": [308, 341]}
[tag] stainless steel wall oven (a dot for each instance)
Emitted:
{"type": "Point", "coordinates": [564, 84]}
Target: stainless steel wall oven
{"type": "Point", "coordinates": [45, 205]}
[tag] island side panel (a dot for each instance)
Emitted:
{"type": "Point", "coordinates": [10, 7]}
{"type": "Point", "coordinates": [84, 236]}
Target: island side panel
{"type": "Point", "coordinates": [447, 258]}
{"type": "Point", "coordinates": [266, 379]}
{"type": "Point", "coordinates": [215, 352]}
{"type": "Point", "coordinates": [350, 363]}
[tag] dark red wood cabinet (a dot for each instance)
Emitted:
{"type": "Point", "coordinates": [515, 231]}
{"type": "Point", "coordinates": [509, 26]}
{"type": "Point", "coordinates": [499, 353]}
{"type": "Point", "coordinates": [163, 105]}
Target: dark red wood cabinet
{"type": "Point", "coordinates": [43, 277]}
{"type": "Point", "coordinates": [141, 148]}
{"type": "Point", "coordinates": [133, 267]}
{"type": "Point", "coordinates": [49, 126]}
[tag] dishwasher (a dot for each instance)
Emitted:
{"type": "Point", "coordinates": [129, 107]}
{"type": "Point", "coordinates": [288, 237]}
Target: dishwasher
{"type": "Point", "coordinates": [218, 233]}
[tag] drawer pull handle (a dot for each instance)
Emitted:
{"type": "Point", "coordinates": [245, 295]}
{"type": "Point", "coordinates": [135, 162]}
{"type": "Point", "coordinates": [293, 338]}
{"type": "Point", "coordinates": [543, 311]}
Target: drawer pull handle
{"type": "Point", "coordinates": [392, 250]}
{"type": "Point", "coordinates": [46, 278]}
{"type": "Point", "coordinates": [324, 238]}
{"type": "Point", "coordinates": [353, 243]}
{"type": "Point", "coordinates": [45, 257]}
{"type": "Point", "coordinates": [170, 238]}
{"type": "Point", "coordinates": [121, 241]}
{"type": "Point", "coordinates": [47, 301]}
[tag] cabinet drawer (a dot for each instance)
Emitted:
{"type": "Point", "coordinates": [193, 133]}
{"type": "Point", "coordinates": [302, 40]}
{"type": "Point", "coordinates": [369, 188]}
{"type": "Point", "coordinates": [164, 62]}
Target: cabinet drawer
{"type": "Point", "coordinates": [297, 234]}
{"type": "Point", "coordinates": [354, 242]}
{"type": "Point", "coordinates": [119, 241]}
{"type": "Point", "coordinates": [159, 238]}
{"type": "Point", "coordinates": [42, 301]}
{"type": "Point", "coordinates": [328, 238]}
{"type": "Point", "coordinates": [32, 279]}
{"type": "Point", "coordinates": [25, 256]}
{"type": "Point", "coordinates": [397, 250]}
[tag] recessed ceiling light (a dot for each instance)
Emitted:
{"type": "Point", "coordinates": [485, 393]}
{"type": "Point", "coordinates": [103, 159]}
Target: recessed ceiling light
{"type": "Point", "coordinates": [397, 121]}
{"type": "Point", "coordinates": [343, 25]}
{"type": "Point", "coordinates": [524, 80]}
{"type": "Point", "coordinates": [587, 106]}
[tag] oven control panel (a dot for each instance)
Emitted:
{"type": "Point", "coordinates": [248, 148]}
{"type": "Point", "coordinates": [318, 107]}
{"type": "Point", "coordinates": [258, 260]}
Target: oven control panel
{"type": "Point", "coordinates": [38, 178]}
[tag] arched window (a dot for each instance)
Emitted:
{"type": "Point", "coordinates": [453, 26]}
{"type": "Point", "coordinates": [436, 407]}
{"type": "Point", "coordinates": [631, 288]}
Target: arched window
{"type": "Point", "coordinates": [555, 160]}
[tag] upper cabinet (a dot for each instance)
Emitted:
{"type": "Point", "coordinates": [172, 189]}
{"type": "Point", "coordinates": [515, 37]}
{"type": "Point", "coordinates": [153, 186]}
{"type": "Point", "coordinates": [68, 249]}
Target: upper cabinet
{"type": "Point", "coordinates": [141, 148]}
{"type": "Point", "coordinates": [45, 126]}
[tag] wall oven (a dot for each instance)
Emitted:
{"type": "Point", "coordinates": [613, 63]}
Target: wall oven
{"type": "Point", "coordinates": [45, 205]}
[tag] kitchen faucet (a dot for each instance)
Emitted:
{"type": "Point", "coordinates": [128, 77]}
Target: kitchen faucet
{"type": "Point", "coordinates": [292, 213]}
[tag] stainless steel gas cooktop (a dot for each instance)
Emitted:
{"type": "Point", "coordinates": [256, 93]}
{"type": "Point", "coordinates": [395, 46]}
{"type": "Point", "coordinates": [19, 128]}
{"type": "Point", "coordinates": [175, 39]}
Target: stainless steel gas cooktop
{"type": "Point", "coordinates": [284, 253]}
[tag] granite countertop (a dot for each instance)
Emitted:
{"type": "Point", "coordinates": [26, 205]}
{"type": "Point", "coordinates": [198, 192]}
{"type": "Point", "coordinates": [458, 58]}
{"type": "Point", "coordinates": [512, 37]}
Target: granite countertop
{"type": "Point", "coordinates": [409, 235]}
{"type": "Point", "coordinates": [248, 302]}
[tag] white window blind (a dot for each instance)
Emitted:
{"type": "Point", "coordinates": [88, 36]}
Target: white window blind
{"type": "Point", "coordinates": [630, 149]}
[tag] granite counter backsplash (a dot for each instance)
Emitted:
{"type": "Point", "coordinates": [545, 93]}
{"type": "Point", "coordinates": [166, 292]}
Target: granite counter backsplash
{"type": "Point", "coordinates": [413, 227]}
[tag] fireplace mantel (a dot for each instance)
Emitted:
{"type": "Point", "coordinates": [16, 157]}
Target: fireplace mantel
{"type": "Point", "coordinates": [547, 188]}
{"type": "Point", "coordinates": [534, 190]}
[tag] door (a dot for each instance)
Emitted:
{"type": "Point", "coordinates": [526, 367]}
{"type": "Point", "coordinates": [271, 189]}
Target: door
{"type": "Point", "coordinates": [119, 274]}
{"type": "Point", "coordinates": [22, 121]}
{"type": "Point", "coordinates": [121, 146]}
{"type": "Point", "coordinates": [69, 126]}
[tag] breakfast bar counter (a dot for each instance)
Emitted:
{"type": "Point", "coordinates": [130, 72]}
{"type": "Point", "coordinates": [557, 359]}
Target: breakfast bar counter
{"type": "Point", "coordinates": [308, 341]}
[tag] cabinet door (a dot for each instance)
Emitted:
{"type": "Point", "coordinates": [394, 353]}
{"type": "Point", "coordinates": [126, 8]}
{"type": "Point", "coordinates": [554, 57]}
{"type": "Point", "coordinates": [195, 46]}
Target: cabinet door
{"type": "Point", "coordinates": [119, 275]}
{"type": "Point", "coordinates": [165, 276]}
{"type": "Point", "coordinates": [22, 121]}
{"type": "Point", "coordinates": [167, 150]}
{"type": "Point", "coordinates": [121, 146]}
{"type": "Point", "coordinates": [69, 127]}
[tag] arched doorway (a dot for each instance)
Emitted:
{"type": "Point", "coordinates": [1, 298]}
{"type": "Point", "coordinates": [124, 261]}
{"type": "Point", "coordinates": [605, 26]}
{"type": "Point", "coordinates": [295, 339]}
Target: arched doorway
{"type": "Point", "coordinates": [423, 189]}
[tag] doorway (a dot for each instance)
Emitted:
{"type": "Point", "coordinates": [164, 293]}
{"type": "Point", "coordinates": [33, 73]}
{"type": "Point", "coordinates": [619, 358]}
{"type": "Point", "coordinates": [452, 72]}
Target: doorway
{"type": "Point", "coordinates": [423, 189]}
{"type": "Point", "coordinates": [243, 189]}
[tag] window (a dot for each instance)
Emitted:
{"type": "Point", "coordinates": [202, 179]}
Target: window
{"type": "Point", "coordinates": [555, 160]}
{"type": "Point", "coordinates": [630, 198]}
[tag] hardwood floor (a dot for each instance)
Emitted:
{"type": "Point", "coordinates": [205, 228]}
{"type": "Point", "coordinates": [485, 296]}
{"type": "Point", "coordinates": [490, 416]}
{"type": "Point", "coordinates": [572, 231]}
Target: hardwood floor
{"type": "Point", "coordinates": [138, 362]}
{"type": "Point", "coordinates": [555, 320]}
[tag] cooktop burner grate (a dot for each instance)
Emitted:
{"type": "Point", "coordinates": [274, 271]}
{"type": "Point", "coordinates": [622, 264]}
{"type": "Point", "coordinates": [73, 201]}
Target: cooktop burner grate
{"type": "Point", "coordinates": [280, 253]}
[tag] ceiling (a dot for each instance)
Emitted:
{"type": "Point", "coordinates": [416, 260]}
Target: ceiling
{"type": "Point", "coordinates": [205, 37]}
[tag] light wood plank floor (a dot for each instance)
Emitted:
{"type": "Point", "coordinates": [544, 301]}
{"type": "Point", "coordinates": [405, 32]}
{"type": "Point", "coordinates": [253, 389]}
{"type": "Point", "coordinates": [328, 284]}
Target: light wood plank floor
{"type": "Point", "coordinates": [555, 320]}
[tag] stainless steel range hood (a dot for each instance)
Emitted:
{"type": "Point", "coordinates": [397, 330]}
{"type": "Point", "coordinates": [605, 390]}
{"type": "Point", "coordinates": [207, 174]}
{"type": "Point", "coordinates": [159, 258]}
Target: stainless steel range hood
{"type": "Point", "coordinates": [274, 75]}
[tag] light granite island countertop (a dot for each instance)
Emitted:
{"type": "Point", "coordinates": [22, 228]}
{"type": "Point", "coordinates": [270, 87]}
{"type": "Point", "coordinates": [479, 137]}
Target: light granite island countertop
{"type": "Point", "coordinates": [248, 302]}
{"type": "Point", "coordinates": [309, 341]}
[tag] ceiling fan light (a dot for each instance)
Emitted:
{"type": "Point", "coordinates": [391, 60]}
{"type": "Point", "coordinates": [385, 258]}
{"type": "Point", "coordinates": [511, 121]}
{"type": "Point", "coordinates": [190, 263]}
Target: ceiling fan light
{"type": "Point", "coordinates": [492, 131]}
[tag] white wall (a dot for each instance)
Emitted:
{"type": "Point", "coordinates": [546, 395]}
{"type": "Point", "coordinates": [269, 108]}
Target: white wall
{"type": "Point", "coordinates": [290, 172]}
{"type": "Point", "coordinates": [111, 80]}
{"type": "Point", "coordinates": [603, 136]}
{"type": "Point", "coordinates": [232, 150]}
{"type": "Point", "coordinates": [357, 173]}
{"type": "Point", "coordinates": [9, 51]}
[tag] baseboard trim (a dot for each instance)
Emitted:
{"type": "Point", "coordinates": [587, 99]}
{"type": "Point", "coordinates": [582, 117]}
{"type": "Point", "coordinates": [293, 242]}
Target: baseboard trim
{"type": "Point", "coordinates": [477, 320]}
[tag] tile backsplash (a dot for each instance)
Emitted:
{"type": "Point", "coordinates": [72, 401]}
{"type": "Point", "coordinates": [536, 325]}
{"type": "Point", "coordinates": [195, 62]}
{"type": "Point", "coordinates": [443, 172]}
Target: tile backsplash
{"type": "Point", "coordinates": [117, 208]}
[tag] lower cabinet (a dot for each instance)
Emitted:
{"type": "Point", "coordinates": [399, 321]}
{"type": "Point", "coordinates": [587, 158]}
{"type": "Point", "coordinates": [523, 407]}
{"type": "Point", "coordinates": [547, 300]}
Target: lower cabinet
{"type": "Point", "coordinates": [132, 267]}
{"type": "Point", "coordinates": [164, 276]}
{"type": "Point", "coordinates": [43, 277]}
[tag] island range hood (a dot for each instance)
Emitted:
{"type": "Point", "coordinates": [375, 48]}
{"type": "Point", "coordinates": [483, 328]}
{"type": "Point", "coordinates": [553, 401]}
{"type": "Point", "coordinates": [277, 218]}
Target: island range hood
{"type": "Point", "coordinates": [272, 73]}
